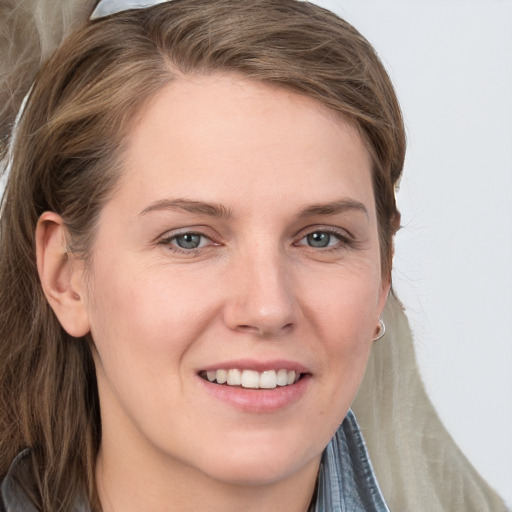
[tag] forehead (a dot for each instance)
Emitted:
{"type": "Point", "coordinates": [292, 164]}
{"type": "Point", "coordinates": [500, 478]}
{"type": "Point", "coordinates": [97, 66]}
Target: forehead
{"type": "Point", "coordinates": [229, 136]}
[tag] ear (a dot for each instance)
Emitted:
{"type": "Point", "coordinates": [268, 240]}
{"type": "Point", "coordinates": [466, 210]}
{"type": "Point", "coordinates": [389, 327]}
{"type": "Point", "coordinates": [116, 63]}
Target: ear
{"type": "Point", "coordinates": [61, 277]}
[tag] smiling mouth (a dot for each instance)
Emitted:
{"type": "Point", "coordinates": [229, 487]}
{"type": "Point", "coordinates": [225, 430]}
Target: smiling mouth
{"type": "Point", "coordinates": [251, 379]}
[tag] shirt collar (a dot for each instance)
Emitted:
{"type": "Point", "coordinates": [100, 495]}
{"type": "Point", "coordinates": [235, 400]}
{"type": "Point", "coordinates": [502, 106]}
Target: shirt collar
{"type": "Point", "coordinates": [346, 480]}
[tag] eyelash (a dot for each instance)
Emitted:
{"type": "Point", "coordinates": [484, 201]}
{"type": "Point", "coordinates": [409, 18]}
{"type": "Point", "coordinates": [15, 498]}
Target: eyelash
{"type": "Point", "coordinates": [344, 239]}
{"type": "Point", "coordinates": [169, 241]}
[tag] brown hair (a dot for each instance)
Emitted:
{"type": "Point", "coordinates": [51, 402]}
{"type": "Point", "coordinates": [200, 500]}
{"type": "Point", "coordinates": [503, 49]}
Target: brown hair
{"type": "Point", "coordinates": [66, 159]}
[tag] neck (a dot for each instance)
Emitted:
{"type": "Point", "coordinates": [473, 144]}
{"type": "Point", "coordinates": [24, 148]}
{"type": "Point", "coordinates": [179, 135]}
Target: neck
{"type": "Point", "coordinates": [170, 486]}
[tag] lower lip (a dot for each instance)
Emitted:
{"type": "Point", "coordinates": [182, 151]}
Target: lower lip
{"type": "Point", "coordinates": [258, 401]}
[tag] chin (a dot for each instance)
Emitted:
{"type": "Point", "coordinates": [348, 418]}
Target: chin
{"type": "Point", "coordinates": [256, 472]}
{"type": "Point", "coordinates": [260, 463]}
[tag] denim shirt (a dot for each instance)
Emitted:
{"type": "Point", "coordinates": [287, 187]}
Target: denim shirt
{"type": "Point", "coordinates": [346, 481]}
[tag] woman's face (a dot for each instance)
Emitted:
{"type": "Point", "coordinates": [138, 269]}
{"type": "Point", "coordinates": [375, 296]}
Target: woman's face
{"type": "Point", "coordinates": [241, 244]}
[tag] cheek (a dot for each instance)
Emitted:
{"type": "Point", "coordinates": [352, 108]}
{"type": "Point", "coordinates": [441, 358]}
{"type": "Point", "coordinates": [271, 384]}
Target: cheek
{"type": "Point", "coordinates": [344, 303]}
{"type": "Point", "coordinates": [145, 318]}
{"type": "Point", "coordinates": [344, 308]}
{"type": "Point", "coordinates": [143, 328]}
{"type": "Point", "coordinates": [126, 319]}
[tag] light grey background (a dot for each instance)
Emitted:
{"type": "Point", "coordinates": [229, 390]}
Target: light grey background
{"type": "Point", "coordinates": [451, 62]}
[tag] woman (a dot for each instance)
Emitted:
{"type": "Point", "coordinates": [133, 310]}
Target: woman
{"type": "Point", "coordinates": [196, 251]}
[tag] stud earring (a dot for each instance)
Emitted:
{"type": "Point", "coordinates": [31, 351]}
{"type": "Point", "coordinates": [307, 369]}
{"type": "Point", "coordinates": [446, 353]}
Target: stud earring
{"type": "Point", "coordinates": [381, 331]}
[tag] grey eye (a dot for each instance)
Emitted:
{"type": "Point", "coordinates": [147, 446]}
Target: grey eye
{"type": "Point", "coordinates": [188, 241]}
{"type": "Point", "coordinates": [320, 239]}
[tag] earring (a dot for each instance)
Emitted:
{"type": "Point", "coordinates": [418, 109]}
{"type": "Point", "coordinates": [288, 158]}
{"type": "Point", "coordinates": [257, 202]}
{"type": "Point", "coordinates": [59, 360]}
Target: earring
{"type": "Point", "coordinates": [381, 331]}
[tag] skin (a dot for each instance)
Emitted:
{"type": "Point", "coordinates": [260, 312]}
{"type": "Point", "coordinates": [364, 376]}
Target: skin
{"type": "Point", "coordinates": [255, 289]}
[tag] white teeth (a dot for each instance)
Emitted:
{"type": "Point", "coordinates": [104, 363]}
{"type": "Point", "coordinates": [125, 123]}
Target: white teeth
{"type": "Point", "coordinates": [268, 380]}
{"type": "Point", "coordinates": [252, 379]}
{"type": "Point", "coordinates": [282, 378]}
{"type": "Point", "coordinates": [234, 378]}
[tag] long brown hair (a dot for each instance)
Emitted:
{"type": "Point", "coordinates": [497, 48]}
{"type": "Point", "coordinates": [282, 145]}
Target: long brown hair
{"type": "Point", "coordinates": [66, 158]}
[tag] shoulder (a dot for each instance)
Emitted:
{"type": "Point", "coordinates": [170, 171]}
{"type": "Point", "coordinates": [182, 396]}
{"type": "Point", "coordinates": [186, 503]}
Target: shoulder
{"type": "Point", "coordinates": [15, 489]}
{"type": "Point", "coordinates": [2, 506]}
{"type": "Point", "coordinates": [12, 494]}
{"type": "Point", "coordinates": [346, 478]}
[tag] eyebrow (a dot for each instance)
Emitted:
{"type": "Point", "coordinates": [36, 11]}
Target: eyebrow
{"type": "Point", "coordinates": [199, 207]}
{"type": "Point", "coordinates": [334, 208]}
{"type": "Point", "coordinates": [219, 210]}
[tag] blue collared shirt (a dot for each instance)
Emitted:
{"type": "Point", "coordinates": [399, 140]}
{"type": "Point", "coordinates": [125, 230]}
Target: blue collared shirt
{"type": "Point", "coordinates": [346, 481]}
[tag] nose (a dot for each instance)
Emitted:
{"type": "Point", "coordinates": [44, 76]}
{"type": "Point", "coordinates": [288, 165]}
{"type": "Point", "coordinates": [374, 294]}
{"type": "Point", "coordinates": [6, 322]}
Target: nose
{"type": "Point", "coordinates": [261, 294]}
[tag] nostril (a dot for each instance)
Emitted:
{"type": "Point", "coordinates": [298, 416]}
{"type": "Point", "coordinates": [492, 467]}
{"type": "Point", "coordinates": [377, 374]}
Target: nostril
{"type": "Point", "coordinates": [247, 328]}
{"type": "Point", "coordinates": [265, 331]}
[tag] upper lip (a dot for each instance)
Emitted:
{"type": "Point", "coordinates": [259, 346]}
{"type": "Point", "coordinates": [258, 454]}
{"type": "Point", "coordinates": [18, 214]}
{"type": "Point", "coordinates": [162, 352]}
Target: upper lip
{"type": "Point", "coordinates": [259, 366]}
